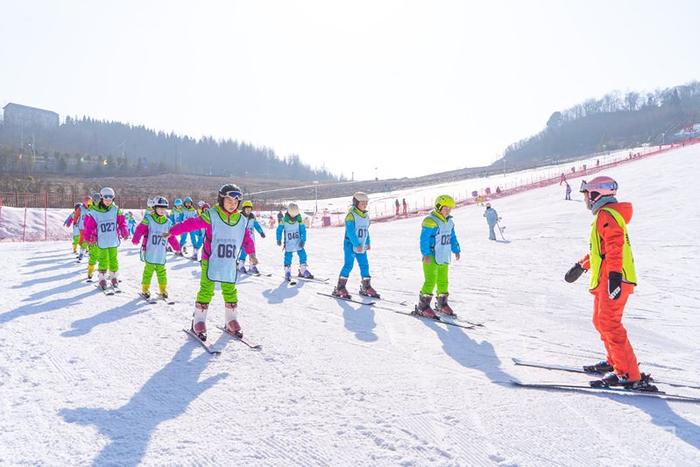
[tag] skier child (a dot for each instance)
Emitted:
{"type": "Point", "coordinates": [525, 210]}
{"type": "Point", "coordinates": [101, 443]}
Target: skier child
{"type": "Point", "coordinates": [188, 211]}
{"type": "Point", "coordinates": [253, 225]}
{"type": "Point", "coordinates": [438, 241]}
{"type": "Point", "coordinates": [105, 226]}
{"type": "Point", "coordinates": [613, 278]}
{"type": "Point", "coordinates": [491, 219]}
{"type": "Point", "coordinates": [151, 230]}
{"type": "Point", "coordinates": [93, 255]}
{"type": "Point", "coordinates": [131, 222]}
{"type": "Point", "coordinates": [226, 234]}
{"type": "Point", "coordinates": [355, 247]}
{"type": "Point", "coordinates": [84, 209]}
{"type": "Point", "coordinates": [72, 220]}
{"type": "Point", "coordinates": [294, 232]}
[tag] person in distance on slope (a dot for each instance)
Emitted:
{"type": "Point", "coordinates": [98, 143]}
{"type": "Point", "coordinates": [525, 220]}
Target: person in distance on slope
{"type": "Point", "coordinates": [149, 208]}
{"type": "Point", "coordinates": [131, 222]}
{"type": "Point", "coordinates": [253, 225]}
{"type": "Point", "coordinates": [75, 219]}
{"type": "Point", "coordinates": [72, 219]}
{"type": "Point", "coordinates": [151, 230]}
{"type": "Point", "coordinates": [105, 226]}
{"type": "Point", "coordinates": [613, 278]}
{"type": "Point", "coordinates": [92, 247]}
{"type": "Point", "coordinates": [491, 219]}
{"type": "Point", "coordinates": [438, 241]}
{"type": "Point", "coordinates": [84, 210]}
{"type": "Point", "coordinates": [567, 197]}
{"type": "Point", "coordinates": [201, 206]}
{"type": "Point", "coordinates": [294, 232]}
{"type": "Point", "coordinates": [176, 216]}
{"type": "Point", "coordinates": [188, 212]}
{"type": "Point", "coordinates": [355, 247]}
{"type": "Point", "coordinates": [226, 235]}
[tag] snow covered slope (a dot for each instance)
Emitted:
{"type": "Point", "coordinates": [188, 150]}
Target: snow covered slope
{"type": "Point", "coordinates": [89, 379]}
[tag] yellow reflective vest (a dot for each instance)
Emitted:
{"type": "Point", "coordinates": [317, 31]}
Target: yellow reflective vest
{"type": "Point", "coordinates": [596, 259]}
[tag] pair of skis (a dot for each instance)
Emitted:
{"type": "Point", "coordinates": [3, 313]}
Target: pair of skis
{"type": "Point", "coordinates": [610, 389]}
{"type": "Point", "coordinates": [441, 318]}
{"type": "Point", "coordinates": [209, 347]}
{"type": "Point", "coordinates": [109, 290]}
{"type": "Point", "coordinates": [158, 299]}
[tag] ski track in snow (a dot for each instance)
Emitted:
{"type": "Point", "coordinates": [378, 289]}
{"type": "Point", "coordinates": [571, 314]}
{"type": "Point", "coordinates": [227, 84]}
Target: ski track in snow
{"type": "Point", "coordinates": [89, 379]}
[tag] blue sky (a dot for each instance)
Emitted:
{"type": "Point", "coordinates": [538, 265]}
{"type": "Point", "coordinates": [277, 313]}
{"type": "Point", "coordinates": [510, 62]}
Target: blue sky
{"type": "Point", "coordinates": [406, 87]}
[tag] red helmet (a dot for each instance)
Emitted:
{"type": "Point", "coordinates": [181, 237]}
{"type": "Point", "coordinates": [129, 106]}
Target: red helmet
{"type": "Point", "coordinates": [599, 187]}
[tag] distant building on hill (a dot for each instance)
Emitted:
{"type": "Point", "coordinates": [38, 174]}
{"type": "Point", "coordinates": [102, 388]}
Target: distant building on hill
{"type": "Point", "coordinates": [22, 115]}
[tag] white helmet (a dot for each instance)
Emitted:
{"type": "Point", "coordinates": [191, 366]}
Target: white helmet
{"type": "Point", "coordinates": [293, 209]}
{"type": "Point", "coordinates": [360, 196]}
{"type": "Point", "coordinates": [160, 202]}
{"type": "Point", "coordinates": [107, 192]}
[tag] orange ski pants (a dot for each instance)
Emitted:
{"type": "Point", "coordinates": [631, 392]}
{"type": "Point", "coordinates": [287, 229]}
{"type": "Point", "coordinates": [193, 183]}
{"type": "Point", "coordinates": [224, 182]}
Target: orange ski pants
{"type": "Point", "coordinates": [607, 319]}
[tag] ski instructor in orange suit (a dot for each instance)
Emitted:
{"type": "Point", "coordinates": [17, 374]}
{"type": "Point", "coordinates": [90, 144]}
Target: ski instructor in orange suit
{"type": "Point", "coordinates": [613, 279]}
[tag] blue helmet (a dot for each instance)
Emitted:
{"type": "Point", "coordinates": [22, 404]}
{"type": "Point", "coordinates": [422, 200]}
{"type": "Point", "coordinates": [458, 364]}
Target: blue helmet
{"type": "Point", "coordinates": [177, 202]}
{"type": "Point", "coordinates": [188, 199]}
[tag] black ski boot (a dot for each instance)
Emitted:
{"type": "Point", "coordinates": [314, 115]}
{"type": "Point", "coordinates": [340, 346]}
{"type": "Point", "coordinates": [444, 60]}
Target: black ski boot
{"type": "Point", "coordinates": [340, 291]}
{"type": "Point", "coordinates": [612, 379]}
{"type": "Point", "coordinates": [599, 368]}
{"type": "Point", "coordinates": [423, 307]}
{"type": "Point", "coordinates": [366, 289]}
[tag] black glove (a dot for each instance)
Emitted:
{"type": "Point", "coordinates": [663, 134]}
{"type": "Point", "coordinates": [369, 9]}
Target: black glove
{"type": "Point", "coordinates": [262, 235]}
{"type": "Point", "coordinates": [614, 285]}
{"type": "Point", "coordinates": [301, 244]}
{"type": "Point", "coordinates": [574, 273]}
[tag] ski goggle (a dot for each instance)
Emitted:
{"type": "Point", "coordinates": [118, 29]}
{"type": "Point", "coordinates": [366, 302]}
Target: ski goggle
{"type": "Point", "coordinates": [233, 194]}
{"type": "Point", "coordinates": [599, 186]}
{"type": "Point", "coordinates": [108, 197]}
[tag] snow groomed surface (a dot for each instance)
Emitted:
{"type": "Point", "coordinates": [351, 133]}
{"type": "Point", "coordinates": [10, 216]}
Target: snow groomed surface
{"type": "Point", "coordinates": [89, 379]}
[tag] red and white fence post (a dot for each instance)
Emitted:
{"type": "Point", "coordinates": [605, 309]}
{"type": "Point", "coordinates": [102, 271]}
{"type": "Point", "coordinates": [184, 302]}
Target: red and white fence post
{"type": "Point", "coordinates": [24, 225]}
{"type": "Point", "coordinates": [46, 221]}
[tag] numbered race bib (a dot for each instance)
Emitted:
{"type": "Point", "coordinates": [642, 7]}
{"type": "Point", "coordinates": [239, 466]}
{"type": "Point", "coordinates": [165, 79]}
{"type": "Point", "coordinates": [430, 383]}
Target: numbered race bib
{"type": "Point", "coordinates": [156, 245]}
{"type": "Point", "coordinates": [107, 236]}
{"type": "Point", "coordinates": [361, 229]}
{"type": "Point", "coordinates": [443, 240]}
{"type": "Point", "coordinates": [292, 237]}
{"type": "Point", "coordinates": [226, 243]}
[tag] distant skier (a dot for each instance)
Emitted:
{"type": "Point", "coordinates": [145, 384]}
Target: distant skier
{"type": "Point", "coordinates": [188, 211]}
{"type": "Point", "coordinates": [491, 219]}
{"type": "Point", "coordinates": [253, 225]}
{"type": "Point", "coordinates": [613, 279]}
{"type": "Point", "coordinates": [176, 217]}
{"type": "Point", "coordinates": [149, 207]}
{"type": "Point", "coordinates": [151, 230]}
{"type": "Point", "coordinates": [226, 235]}
{"type": "Point", "coordinates": [568, 192]}
{"type": "Point", "coordinates": [131, 222]}
{"type": "Point", "coordinates": [105, 226]}
{"type": "Point", "coordinates": [355, 247]}
{"type": "Point", "coordinates": [280, 217]}
{"type": "Point", "coordinates": [84, 210]}
{"type": "Point", "coordinates": [398, 206]}
{"type": "Point", "coordinates": [438, 241]}
{"type": "Point", "coordinates": [291, 235]}
{"type": "Point", "coordinates": [72, 220]}
{"type": "Point", "coordinates": [404, 205]}
{"type": "Point", "coordinates": [92, 247]}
